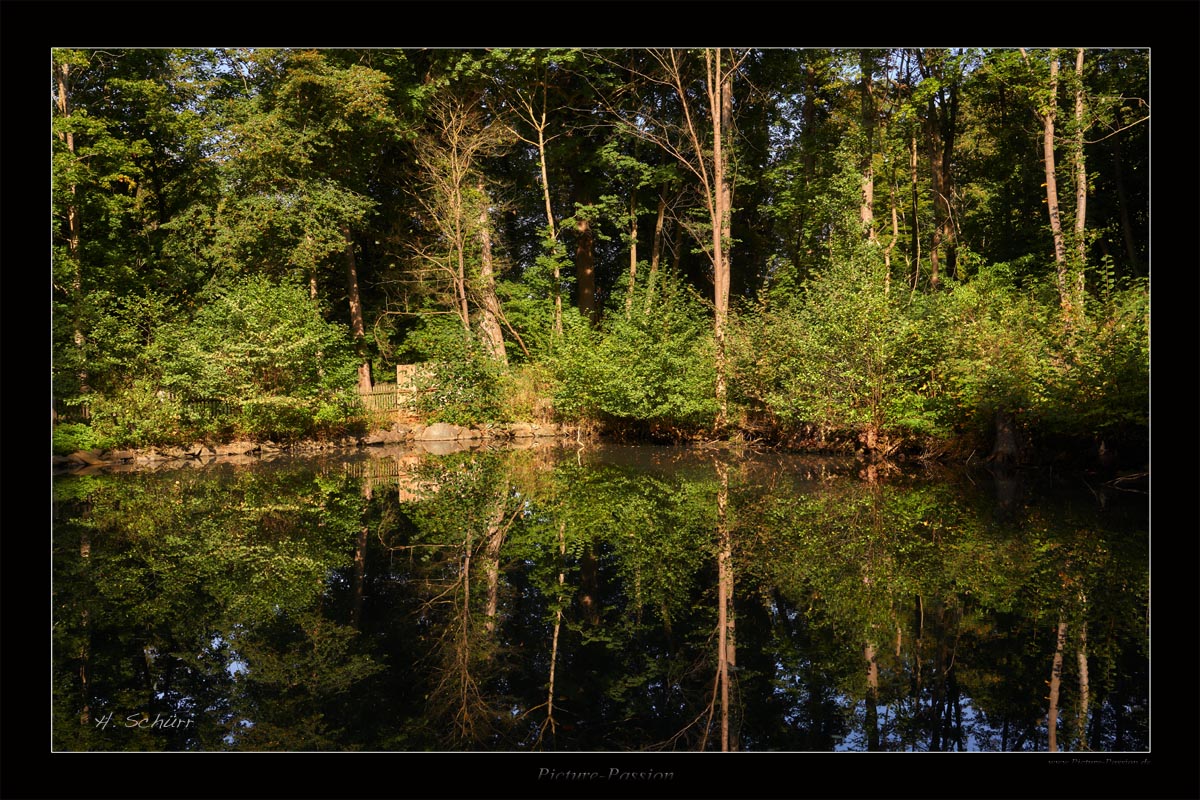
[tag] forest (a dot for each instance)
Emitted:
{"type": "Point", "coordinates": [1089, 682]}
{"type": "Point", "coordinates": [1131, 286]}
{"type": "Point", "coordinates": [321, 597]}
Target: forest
{"type": "Point", "coordinates": [900, 252]}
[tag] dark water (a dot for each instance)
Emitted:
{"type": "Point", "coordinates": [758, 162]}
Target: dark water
{"type": "Point", "coordinates": [613, 599]}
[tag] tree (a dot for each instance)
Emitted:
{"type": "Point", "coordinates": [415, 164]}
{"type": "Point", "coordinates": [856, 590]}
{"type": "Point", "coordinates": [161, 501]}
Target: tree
{"type": "Point", "coordinates": [1069, 300]}
{"type": "Point", "coordinates": [303, 145]}
{"type": "Point", "coordinates": [701, 142]}
{"type": "Point", "coordinates": [129, 148]}
{"type": "Point", "coordinates": [455, 202]}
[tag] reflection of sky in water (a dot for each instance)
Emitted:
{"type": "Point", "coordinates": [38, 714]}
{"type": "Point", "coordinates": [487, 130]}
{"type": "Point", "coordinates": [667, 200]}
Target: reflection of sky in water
{"type": "Point", "coordinates": [236, 665]}
{"type": "Point", "coordinates": [856, 739]}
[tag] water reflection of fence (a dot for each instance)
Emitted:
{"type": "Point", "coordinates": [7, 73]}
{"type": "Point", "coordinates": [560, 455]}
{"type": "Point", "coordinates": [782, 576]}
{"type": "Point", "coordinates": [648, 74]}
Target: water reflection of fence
{"type": "Point", "coordinates": [389, 471]}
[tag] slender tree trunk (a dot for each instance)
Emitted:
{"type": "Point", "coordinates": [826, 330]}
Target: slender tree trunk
{"type": "Point", "coordinates": [722, 116]}
{"type": "Point", "coordinates": [1080, 186]}
{"type": "Point", "coordinates": [1060, 255]}
{"type": "Point", "coordinates": [872, 700]}
{"type": "Point", "coordinates": [1081, 721]}
{"type": "Point", "coordinates": [948, 129]}
{"type": "Point", "coordinates": [895, 214]}
{"type": "Point", "coordinates": [460, 255]}
{"type": "Point", "coordinates": [656, 248]}
{"type": "Point", "coordinates": [85, 646]}
{"type": "Point", "coordinates": [935, 190]}
{"type": "Point", "coordinates": [492, 564]}
{"type": "Point", "coordinates": [74, 226]}
{"type": "Point", "coordinates": [558, 615]}
{"type": "Point", "coordinates": [633, 242]}
{"type": "Point", "coordinates": [867, 166]}
{"type": "Point", "coordinates": [915, 240]}
{"type": "Point", "coordinates": [489, 318]}
{"type": "Point", "coordinates": [541, 145]}
{"type": "Point", "coordinates": [357, 328]}
{"type": "Point", "coordinates": [1055, 684]}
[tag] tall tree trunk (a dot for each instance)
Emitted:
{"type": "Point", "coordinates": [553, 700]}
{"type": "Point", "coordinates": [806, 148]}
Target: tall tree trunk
{"type": "Point", "coordinates": [656, 248]}
{"type": "Point", "coordinates": [489, 318]}
{"type": "Point", "coordinates": [558, 615]}
{"type": "Point", "coordinates": [867, 165]}
{"type": "Point", "coordinates": [721, 84]}
{"type": "Point", "coordinates": [949, 127]}
{"type": "Point", "coordinates": [1081, 719]}
{"type": "Point", "coordinates": [1055, 684]}
{"type": "Point", "coordinates": [915, 235]}
{"type": "Point", "coordinates": [85, 645]}
{"type": "Point", "coordinates": [633, 242]}
{"type": "Point", "coordinates": [1080, 265]}
{"type": "Point", "coordinates": [538, 121]}
{"type": "Point", "coordinates": [872, 700]}
{"type": "Point", "coordinates": [495, 542]}
{"type": "Point", "coordinates": [585, 259]}
{"type": "Point", "coordinates": [935, 191]}
{"type": "Point", "coordinates": [74, 227]}
{"type": "Point", "coordinates": [1056, 231]}
{"type": "Point", "coordinates": [357, 328]}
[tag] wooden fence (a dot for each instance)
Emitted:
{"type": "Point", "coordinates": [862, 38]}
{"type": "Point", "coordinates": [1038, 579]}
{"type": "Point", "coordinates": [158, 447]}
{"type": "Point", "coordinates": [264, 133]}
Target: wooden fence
{"type": "Point", "coordinates": [398, 395]}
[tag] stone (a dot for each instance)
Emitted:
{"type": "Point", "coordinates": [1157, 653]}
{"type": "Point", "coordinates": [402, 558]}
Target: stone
{"type": "Point", "coordinates": [522, 430]}
{"type": "Point", "coordinates": [439, 432]}
{"type": "Point", "coordinates": [89, 457]}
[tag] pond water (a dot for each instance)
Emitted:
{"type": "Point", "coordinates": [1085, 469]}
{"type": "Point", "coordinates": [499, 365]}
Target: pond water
{"type": "Point", "coordinates": [603, 599]}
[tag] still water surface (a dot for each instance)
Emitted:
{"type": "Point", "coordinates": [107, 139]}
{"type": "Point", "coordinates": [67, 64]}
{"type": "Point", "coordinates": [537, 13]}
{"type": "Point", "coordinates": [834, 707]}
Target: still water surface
{"type": "Point", "coordinates": [609, 599]}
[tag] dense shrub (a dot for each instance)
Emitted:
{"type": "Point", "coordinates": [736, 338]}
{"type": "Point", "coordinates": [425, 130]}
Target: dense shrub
{"type": "Point", "coordinates": [851, 355]}
{"type": "Point", "coordinates": [69, 437]}
{"type": "Point", "coordinates": [141, 415]}
{"type": "Point", "coordinates": [276, 418]}
{"type": "Point", "coordinates": [255, 338]}
{"type": "Point", "coordinates": [655, 365]}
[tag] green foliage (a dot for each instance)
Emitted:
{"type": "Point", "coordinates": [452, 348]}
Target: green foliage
{"type": "Point", "coordinates": [656, 365]}
{"type": "Point", "coordinates": [851, 355]}
{"type": "Point", "coordinates": [140, 415]}
{"type": "Point", "coordinates": [71, 436]}
{"type": "Point", "coordinates": [255, 338]}
{"type": "Point", "coordinates": [276, 418]}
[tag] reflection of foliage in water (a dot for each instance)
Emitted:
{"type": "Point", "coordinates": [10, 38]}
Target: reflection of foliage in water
{"type": "Point", "coordinates": [302, 608]}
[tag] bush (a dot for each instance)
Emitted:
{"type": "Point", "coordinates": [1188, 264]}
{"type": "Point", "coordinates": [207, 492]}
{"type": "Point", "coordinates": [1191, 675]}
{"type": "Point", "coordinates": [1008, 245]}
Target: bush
{"type": "Point", "coordinates": [340, 414]}
{"type": "Point", "coordinates": [139, 416]}
{"type": "Point", "coordinates": [282, 419]}
{"type": "Point", "coordinates": [657, 366]}
{"type": "Point", "coordinates": [69, 437]}
{"type": "Point", "coordinates": [851, 355]}
{"type": "Point", "coordinates": [255, 338]}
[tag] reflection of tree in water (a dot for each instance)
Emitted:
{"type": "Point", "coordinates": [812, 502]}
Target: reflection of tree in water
{"type": "Point", "coordinates": [494, 602]}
